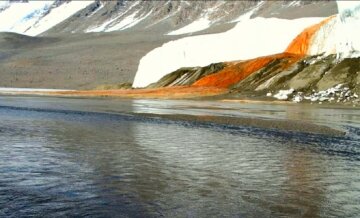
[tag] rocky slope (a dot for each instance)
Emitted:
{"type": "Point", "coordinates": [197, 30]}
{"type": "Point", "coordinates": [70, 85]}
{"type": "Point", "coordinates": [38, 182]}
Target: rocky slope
{"type": "Point", "coordinates": [173, 17]}
{"type": "Point", "coordinates": [280, 77]}
{"type": "Point", "coordinates": [75, 61]}
{"type": "Point", "coordinates": [314, 79]}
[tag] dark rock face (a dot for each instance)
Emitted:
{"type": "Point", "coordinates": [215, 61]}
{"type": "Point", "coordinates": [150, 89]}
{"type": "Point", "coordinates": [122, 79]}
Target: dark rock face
{"type": "Point", "coordinates": [165, 16]}
{"type": "Point", "coordinates": [314, 78]}
{"type": "Point", "coordinates": [311, 78]}
{"type": "Point", "coordinates": [292, 10]}
{"type": "Point", "coordinates": [271, 75]}
{"type": "Point", "coordinates": [310, 73]}
{"type": "Point", "coordinates": [345, 72]}
{"type": "Point", "coordinates": [187, 76]}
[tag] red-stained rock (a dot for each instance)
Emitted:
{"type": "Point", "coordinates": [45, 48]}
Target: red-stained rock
{"type": "Point", "coordinates": [301, 44]}
{"type": "Point", "coordinates": [234, 72]}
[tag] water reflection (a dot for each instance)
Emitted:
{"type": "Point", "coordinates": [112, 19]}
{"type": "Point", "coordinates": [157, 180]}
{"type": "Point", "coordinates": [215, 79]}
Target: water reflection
{"type": "Point", "coordinates": [96, 164]}
{"type": "Point", "coordinates": [304, 181]}
{"type": "Point", "coordinates": [248, 173]}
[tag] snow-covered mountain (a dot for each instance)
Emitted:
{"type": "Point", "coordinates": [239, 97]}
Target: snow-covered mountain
{"type": "Point", "coordinates": [35, 17]}
{"type": "Point", "coordinates": [169, 17]}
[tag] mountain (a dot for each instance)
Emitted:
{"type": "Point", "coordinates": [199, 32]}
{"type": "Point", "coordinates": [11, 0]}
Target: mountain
{"type": "Point", "coordinates": [35, 17]}
{"type": "Point", "coordinates": [80, 50]}
{"type": "Point", "coordinates": [243, 46]}
{"type": "Point", "coordinates": [169, 17]}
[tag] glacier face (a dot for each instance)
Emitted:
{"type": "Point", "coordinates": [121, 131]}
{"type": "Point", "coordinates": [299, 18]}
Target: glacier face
{"type": "Point", "coordinates": [341, 34]}
{"type": "Point", "coordinates": [348, 29]}
{"type": "Point", "coordinates": [250, 38]}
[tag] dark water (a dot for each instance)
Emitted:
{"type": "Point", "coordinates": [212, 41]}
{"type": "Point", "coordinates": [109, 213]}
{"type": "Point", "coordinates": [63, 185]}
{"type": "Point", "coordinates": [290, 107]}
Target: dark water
{"type": "Point", "coordinates": [71, 157]}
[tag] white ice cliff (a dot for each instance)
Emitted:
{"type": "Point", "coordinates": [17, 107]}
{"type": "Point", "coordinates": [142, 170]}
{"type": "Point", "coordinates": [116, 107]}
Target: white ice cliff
{"type": "Point", "coordinates": [348, 29]}
{"type": "Point", "coordinates": [250, 38]}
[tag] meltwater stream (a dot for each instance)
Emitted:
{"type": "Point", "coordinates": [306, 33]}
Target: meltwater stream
{"type": "Point", "coordinates": [87, 157]}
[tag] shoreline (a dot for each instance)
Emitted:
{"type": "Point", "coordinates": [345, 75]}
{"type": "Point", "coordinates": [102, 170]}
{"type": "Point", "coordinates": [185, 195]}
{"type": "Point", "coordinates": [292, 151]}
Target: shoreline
{"type": "Point", "coordinates": [168, 93]}
{"type": "Point", "coordinates": [287, 125]}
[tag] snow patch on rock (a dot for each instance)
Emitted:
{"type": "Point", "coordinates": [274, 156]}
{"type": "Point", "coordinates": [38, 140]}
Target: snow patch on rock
{"type": "Point", "coordinates": [246, 16]}
{"type": "Point", "coordinates": [128, 22]}
{"type": "Point", "coordinates": [56, 16]}
{"type": "Point", "coordinates": [338, 93]}
{"type": "Point", "coordinates": [198, 25]}
{"type": "Point", "coordinates": [35, 17]}
{"type": "Point", "coordinates": [97, 10]}
{"type": "Point", "coordinates": [103, 27]}
{"type": "Point", "coordinates": [18, 16]}
{"type": "Point", "coordinates": [297, 98]}
{"type": "Point", "coordinates": [284, 94]}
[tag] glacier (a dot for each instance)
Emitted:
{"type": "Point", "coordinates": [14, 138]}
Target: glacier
{"type": "Point", "coordinates": [341, 34]}
{"type": "Point", "coordinates": [250, 38]}
{"type": "Point", "coordinates": [348, 29]}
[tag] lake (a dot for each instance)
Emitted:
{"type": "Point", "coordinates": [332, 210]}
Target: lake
{"type": "Point", "coordinates": [96, 157]}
